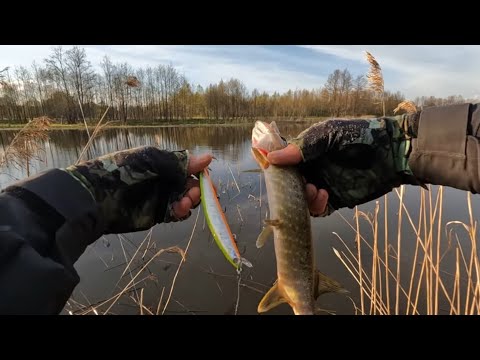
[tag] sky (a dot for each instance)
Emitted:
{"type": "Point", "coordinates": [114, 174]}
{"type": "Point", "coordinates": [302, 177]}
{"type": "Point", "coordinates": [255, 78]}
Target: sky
{"type": "Point", "coordinates": [415, 70]}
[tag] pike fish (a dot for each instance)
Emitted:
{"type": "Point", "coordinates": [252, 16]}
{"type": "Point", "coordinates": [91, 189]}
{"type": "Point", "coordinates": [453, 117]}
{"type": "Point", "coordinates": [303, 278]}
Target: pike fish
{"type": "Point", "coordinates": [299, 283]}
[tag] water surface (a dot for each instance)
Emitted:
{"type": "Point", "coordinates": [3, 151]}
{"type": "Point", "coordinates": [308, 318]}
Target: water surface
{"type": "Point", "coordinates": [206, 282]}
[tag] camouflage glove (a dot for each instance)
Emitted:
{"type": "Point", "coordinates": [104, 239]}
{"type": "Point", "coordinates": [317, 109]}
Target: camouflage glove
{"type": "Point", "coordinates": [357, 160]}
{"type": "Point", "coordinates": [135, 188]}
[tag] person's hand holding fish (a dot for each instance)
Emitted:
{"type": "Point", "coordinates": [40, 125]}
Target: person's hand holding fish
{"type": "Point", "coordinates": [350, 162]}
{"type": "Point", "coordinates": [299, 283]}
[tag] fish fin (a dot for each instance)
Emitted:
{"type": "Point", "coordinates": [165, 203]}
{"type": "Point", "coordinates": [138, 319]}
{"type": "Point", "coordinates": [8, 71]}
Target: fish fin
{"type": "Point", "coordinates": [260, 158]}
{"type": "Point", "coordinates": [264, 236]}
{"type": "Point", "coordinates": [272, 298]}
{"type": "Point", "coordinates": [272, 222]}
{"type": "Point", "coordinates": [325, 284]}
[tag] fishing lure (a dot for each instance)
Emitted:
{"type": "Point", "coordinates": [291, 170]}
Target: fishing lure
{"type": "Point", "coordinates": [217, 223]}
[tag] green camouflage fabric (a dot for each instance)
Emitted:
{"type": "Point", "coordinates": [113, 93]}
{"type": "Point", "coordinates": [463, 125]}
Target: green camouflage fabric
{"type": "Point", "coordinates": [135, 188]}
{"type": "Point", "coordinates": [357, 160]}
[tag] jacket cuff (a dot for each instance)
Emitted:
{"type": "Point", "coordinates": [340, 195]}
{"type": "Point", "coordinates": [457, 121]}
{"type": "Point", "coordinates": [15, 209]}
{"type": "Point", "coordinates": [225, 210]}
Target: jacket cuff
{"type": "Point", "coordinates": [77, 222]}
{"type": "Point", "coordinates": [440, 152]}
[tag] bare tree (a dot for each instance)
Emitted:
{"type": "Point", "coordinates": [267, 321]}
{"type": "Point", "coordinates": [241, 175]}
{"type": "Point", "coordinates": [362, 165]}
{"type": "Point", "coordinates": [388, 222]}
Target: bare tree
{"type": "Point", "coordinates": [333, 88]}
{"type": "Point", "coordinates": [109, 73]}
{"type": "Point", "coordinates": [359, 85]}
{"type": "Point", "coordinates": [58, 70]}
{"type": "Point", "coordinates": [68, 81]}
{"type": "Point", "coordinates": [2, 76]}
{"type": "Point", "coordinates": [40, 76]}
{"type": "Point", "coordinates": [81, 76]}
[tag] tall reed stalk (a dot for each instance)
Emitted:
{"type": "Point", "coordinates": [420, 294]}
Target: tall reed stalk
{"type": "Point", "coordinates": [430, 284]}
{"type": "Point", "coordinates": [423, 284]}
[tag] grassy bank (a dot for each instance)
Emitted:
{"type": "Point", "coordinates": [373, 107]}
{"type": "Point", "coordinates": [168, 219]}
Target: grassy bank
{"type": "Point", "coordinates": [163, 123]}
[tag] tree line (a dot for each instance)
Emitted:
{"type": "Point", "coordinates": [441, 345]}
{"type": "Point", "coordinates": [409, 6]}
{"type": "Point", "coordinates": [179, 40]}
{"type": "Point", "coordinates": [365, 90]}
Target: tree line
{"type": "Point", "coordinates": [67, 88]}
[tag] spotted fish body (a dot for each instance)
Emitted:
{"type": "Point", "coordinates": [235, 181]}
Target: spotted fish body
{"type": "Point", "coordinates": [292, 237]}
{"type": "Point", "coordinates": [298, 283]}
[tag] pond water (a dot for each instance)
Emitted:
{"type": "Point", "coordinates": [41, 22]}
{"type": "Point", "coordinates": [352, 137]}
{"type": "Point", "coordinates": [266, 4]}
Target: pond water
{"type": "Point", "coordinates": [206, 283]}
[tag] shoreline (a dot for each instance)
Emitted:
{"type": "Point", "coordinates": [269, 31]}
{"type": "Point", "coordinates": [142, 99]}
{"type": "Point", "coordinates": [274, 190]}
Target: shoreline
{"type": "Point", "coordinates": [81, 126]}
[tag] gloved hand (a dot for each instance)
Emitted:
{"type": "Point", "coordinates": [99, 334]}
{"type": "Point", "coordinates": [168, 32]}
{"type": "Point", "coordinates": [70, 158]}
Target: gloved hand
{"type": "Point", "coordinates": [138, 188]}
{"type": "Point", "coordinates": [355, 161]}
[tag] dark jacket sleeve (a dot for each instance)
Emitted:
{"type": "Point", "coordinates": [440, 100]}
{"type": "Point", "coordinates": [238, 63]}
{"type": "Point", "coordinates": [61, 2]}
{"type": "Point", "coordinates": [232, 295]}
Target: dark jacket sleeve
{"type": "Point", "coordinates": [446, 150]}
{"type": "Point", "coordinates": [46, 223]}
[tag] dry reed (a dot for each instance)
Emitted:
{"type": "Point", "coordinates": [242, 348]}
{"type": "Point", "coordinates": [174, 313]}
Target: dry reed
{"type": "Point", "coordinates": [429, 284]}
{"type": "Point", "coordinates": [427, 281]}
{"type": "Point", "coordinates": [27, 144]}
{"type": "Point", "coordinates": [407, 106]}
{"type": "Point", "coordinates": [375, 79]}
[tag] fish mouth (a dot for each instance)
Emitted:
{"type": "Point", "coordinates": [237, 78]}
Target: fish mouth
{"type": "Point", "coordinates": [260, 134]}
{"type": "Point", "coordinates": [260, 137]}
{"type": "Point", "coordinates": [266, 137]}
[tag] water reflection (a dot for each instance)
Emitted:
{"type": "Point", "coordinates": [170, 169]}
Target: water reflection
{"type": "Point", "coordinates": [65, 146]}
{"type": "Point", "coordinates": [206, 283]}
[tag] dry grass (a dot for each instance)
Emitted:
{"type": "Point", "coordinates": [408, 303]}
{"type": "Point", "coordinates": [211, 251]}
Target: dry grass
{"type": "Point", "coordinates": [375, 78]}
{"type": "Point", "coordinates": [443, 276]}
{"type": "Point", "coordinates": [427, 280]}
{"type": "Point", "coordinates": [98, 128]}
{"type": "Point", "coordinates": [407, 106]}
{"type": "Point", "coordinates": [183, 253]}
{"type": "Point", "coordinates": [131, 290]}
{"type": "Point", "coordinates": [131, 81]}
{"type": "Point", "coordinates": [388, 284]}
{"type": "Point", "coordinates": [27, 144]}
{"type": "Point", "coordinates": [141, 255]}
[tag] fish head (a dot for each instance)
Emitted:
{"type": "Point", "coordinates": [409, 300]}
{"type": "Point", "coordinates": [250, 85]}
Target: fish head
{"type": "Point", "coordinates": [266, 138]}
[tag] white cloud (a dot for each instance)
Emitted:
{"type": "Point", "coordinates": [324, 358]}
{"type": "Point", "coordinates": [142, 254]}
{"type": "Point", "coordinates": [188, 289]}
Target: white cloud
{"type": "Point", "coordinates": [438, 70]}
{"type": "Point", "coordinates": [256, 66]}
{"type": "Point", "coordinates": [11, 55]}
{"type": "Point", "coordinates": [208, 64]}
{"type": "Point", "coordinates": [415, 70]}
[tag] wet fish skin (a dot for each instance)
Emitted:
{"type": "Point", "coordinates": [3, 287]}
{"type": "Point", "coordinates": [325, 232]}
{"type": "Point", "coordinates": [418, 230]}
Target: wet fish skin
{"type": "Point", "coordinates": [292, 237]}
{"type": "Point", "coordinates": [299, 283]}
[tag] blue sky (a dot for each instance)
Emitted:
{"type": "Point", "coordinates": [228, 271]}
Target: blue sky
{"type": "Point", "coordinates": [438, 70]}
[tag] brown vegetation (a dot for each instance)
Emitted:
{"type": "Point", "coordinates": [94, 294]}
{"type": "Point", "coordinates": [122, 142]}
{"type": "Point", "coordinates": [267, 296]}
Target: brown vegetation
{"type": "Point", "coordinates": [67, 88]}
